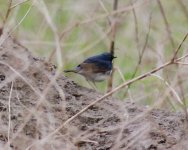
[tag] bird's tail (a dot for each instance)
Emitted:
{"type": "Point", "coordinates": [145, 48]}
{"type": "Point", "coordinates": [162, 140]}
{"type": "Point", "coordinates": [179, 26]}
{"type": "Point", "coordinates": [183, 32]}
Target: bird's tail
{"type": "Point", "coordinates": [74, 71]}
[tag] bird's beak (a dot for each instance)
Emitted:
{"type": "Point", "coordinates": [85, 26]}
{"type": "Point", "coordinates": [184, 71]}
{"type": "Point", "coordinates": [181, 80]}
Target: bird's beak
{"type": "Point", "coordinates": [114, 57]}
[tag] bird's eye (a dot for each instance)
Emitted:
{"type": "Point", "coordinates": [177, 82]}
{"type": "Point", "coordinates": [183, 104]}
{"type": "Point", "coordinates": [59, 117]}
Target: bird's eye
{"type": "Point", "coordinates": [79, 66]}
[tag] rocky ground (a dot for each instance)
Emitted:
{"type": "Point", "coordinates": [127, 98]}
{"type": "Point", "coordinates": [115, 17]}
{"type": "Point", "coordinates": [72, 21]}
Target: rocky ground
{"type": "Point", "coordinates": [33, 104]}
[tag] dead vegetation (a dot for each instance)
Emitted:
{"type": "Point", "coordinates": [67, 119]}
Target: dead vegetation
{"type": "Point", "coordinates": [42, 109]}
{"type": "Point", "coordinates": [35, 102]}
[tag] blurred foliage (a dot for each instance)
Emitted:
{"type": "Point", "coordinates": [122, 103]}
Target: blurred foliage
{"type": "Point", "coordinates": [87, 39]}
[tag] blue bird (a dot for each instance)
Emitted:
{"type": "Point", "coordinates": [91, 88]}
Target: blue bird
{"type": "Point", "coordinates": [96, 68]}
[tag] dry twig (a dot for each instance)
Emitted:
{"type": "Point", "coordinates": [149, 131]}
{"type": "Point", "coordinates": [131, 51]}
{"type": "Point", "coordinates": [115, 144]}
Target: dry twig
{"type": "Point", "coordinates": [166, 23]}
{"type": "Point", "coordinates": [112, 44]}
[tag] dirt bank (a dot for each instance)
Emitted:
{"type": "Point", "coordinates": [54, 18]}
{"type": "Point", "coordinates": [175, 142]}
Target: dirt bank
{"type": "Point", "coordinates": [33, 104]}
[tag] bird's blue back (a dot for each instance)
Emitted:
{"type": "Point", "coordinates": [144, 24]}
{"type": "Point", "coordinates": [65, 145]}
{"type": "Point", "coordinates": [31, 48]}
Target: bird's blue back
{"type": "Point", "coordinates": [102, 57]}
{"type": "Point", "coordinates": [103, 61]}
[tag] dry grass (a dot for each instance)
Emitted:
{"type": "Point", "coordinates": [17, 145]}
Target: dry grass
{"type": "Point", "coordinates": [148, 37]}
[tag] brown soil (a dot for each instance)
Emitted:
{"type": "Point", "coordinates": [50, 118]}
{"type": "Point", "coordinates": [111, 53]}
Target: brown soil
{"type": "Point", "coordinates": [110, 124]}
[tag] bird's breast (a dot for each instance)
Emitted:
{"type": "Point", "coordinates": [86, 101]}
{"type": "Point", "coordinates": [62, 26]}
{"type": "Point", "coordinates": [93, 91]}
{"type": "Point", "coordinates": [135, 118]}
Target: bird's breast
{"type": "Point", "coordinates": [98, 77]}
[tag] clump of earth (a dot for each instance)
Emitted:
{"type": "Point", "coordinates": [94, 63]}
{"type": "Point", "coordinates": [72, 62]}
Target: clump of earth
{"type": "Point", "coordinates": [35, 102]}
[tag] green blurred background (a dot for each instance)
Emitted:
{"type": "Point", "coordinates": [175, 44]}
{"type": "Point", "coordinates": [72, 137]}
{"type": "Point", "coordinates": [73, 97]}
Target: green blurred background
{"type": "Point", "coordinates": [91, 36]}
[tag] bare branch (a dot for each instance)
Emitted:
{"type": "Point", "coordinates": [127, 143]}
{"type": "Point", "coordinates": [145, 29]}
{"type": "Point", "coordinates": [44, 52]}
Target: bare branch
{"type": "Point", "coordinates": [18, 4]}
{"type": "Point", "coordinates": [8, 12]}
{"type": "Point", "coordinates": [166, 23]}
{"type": "Point", "coordinates": [179, 47]}
{"type": "Point", "coordinates": [112, 44]}
{"type": "Point", "coordinates": [9, 113]}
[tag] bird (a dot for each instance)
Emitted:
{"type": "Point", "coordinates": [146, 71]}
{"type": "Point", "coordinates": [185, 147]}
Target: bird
{"type": "Point", "coordinates": [96, 68]}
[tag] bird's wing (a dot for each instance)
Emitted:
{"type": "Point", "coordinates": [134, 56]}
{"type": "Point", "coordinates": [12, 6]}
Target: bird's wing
{"type": "Point", "coordinates": [96, 66]}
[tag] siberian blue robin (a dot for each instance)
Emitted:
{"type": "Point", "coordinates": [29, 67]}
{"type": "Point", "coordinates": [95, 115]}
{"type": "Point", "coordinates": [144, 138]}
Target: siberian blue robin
{"type": "Point", "coordinates": [96, 68]}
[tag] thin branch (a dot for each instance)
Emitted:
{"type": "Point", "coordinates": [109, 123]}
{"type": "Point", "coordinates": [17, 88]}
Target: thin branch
{"type": "Point", "coordinates": [2, 39]}
{"type": "Point", "coordinates": [181, 102]}
{"type": "Point", "coordinates": [166, 23]}
{"type": "Point", "coordinates": [20, 3]}
{"type": "Point", "coordinates": [113, 23]}
{"type": "Point", "coordinates": [179, 47]}
{"type": "Point", "coordinates": [136, 29]}
{"type": "Point", "coordinates": [70, 28]}
{"type": "Point", "coordinates": [170, 87]}
{"type": "Point", "coordinates": [9, 113]}
{"type": "Point", "coordinates": [7, 13]}
{"type": "Point", "coordinates": [112, 44]}
{"type": "Point", "coordinates": [144, 48]}
{"type": "Point", "coordinates": [141, 54]}
{"type": "Point", "coordinates": [179, 81]}
{"type": "Point", "coordinates": [93, 44]}
{"type": "Point", "coordinates": [38, 104]}
{"type": "Point", "coordinates": [122, 77]}
{"type": "Point", "coordinates": [44, 10]}
{"type": "Point", "coordinates": [119, 11]}
{"type": "Point", "coordinates": [6, 17]}
{"type": "Point", "coordinates": [105, 9]}
{"type": "Point", "coordinates": [181, 63]}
